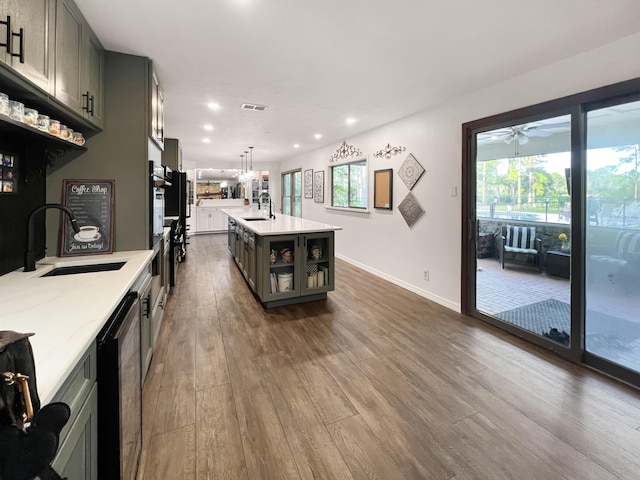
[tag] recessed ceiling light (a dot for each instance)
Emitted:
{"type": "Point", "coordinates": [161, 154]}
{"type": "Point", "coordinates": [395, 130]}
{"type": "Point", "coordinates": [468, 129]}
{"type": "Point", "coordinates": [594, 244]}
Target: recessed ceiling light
{"type": "Point", "coordinates": [317, 136]}
{"type": "Point", "coordinates": [208, 127]}
{"type": "Point", "coordinates": [205, 140]}
{"type": "Point", "coordinates": [351, 121]}
{"type": "Point", "coordinates": [296, 145]}
{"type": "Point", "coordinates": [214, 106]}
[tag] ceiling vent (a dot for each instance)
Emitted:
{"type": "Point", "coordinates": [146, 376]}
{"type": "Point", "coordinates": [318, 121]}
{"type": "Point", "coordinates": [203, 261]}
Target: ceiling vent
{"type": "Point", "coordinates": [253, 106]}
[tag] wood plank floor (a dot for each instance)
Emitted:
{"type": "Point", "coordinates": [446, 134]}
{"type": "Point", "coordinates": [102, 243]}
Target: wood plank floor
{"type": "Point", "coordinates": [373, 383]}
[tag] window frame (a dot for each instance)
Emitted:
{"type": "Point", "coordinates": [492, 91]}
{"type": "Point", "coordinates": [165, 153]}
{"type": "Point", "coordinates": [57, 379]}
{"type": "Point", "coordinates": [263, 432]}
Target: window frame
{"type": "Point", "coordinates": [358, 209]}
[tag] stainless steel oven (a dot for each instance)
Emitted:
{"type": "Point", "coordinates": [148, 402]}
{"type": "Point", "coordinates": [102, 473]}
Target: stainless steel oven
{"type": "Point", "coordinates": [119, 392]}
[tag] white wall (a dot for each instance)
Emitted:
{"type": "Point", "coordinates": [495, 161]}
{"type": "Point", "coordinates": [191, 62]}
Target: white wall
{"type": "Point", "coordinates": [381, 241]}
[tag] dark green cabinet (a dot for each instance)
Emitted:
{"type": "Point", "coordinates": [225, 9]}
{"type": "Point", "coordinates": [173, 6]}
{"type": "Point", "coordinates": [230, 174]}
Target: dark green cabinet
{"type": "Point", "coordinates": [286, 270]}
{"type": "Point", "coordinates": [77, 455]}
{"type": "Point", "coordinates": [30, 27]}
{"type": "Point", "coordinates": [79, 64]}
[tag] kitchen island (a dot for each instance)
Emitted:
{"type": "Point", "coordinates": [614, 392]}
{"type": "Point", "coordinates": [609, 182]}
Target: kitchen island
{"type": "Point", "coordinates": [284, 260]}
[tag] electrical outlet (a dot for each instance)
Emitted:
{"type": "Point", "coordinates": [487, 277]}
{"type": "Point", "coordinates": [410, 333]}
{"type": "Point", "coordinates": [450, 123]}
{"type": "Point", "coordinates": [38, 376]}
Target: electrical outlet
{"type": "Point", "coordinates": [425, 275]}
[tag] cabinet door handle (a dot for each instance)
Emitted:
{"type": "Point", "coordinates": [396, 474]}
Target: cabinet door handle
{"type": "Point", "coordinates": [20, 54]}
{"type": "Point", "coordinates": [88, 106]}
{"type": "Point", "coordinates": [7, 43]}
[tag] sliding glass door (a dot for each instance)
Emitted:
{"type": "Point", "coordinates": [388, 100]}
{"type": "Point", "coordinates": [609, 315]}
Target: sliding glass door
{"type": "Point", "coordinates": [551, 220]}
{"type": "Point", "coordinates": [612, 247]}
{"type": "Point", "coordinates": [523, 227]}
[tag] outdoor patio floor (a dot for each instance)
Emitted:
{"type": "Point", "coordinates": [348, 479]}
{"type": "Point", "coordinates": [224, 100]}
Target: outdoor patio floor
{"type": "Point", "coordinates": [501, 290]}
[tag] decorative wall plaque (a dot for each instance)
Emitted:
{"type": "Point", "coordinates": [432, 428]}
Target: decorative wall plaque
{"type": "Point", "coordinates": [318, 186]}
{"type": "Point", "coordinates": [308, 183]}
{"type": "Point", "coordinates": [92, 202]}
{"type": "Point", "coordinates": [388, 151]}
{"type": "Point", "coordinates": [410, 171]}
{"type": "Point", "coordinates": [410, 209]}
{"type": "Point", "coordinates": [345, 151]}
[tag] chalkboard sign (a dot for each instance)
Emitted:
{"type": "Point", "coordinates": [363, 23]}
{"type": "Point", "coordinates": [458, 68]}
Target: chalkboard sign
{"type": "Point", "coordinates": [92, 202]}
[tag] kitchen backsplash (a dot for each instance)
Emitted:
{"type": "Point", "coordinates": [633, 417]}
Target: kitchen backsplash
{"type": "Point", "coordinates": [28, 193]}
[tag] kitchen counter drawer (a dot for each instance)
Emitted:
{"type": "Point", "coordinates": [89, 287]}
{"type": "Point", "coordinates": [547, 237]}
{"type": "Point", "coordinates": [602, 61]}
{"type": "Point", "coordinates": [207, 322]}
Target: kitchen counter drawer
{"type": "Point", "coordinates": [77, 387]}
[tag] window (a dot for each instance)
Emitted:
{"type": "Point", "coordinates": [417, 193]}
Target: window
{"type": "Point", "coordinates": [292, 193]}
{"type": "Point", "coordinates": [349, 185]}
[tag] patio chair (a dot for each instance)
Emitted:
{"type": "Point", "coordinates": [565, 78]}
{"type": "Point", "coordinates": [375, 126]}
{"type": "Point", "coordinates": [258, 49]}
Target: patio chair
{"type": "Point", "coordinates": [517, 239]}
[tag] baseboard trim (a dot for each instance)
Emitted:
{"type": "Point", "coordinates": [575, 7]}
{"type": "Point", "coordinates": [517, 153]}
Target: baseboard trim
{"type": "Point", "coordinates": [400, 283]}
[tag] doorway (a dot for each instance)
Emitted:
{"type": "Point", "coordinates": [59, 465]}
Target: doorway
{"type": "Point", "coordinates": [523, 222]}
{"type": "Point", "coordinates": [551, 215]}
{"type": "Point", "coordinates": [292, 193]}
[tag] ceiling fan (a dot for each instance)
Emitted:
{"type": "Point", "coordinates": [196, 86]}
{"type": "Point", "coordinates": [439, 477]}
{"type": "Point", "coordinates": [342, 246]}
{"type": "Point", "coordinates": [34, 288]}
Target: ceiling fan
{"type": "Point", "coordinates": [520, 133]}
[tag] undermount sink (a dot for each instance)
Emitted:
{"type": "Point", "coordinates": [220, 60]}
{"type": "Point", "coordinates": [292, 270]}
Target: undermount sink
{"type": "Point", "coordinates": [75, 269]}
{"type": "Point", "coordinates": [254, 219]}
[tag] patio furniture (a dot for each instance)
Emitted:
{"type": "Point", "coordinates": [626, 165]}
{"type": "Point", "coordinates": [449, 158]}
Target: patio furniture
{"type": "Point", "coordinates": [557, 263]}
{"type": "Point", "coordinates": [626, 251]}
{"type": "Point", "coordinates": [518, 239]}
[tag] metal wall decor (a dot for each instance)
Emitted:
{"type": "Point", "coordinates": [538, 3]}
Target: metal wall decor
{"type": "Point", "coordinates": [410, 171]}
{"type": "Point", "coordinates": [388, 151]}
{"type": "Point", "coordinates": [345, 151]}
{"type": "Point", "coordinates": [410, 209]}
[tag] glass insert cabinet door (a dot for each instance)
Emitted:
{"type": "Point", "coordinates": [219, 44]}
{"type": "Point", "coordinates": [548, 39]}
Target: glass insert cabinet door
{"type": "Point", "coordinates": [612, 243]}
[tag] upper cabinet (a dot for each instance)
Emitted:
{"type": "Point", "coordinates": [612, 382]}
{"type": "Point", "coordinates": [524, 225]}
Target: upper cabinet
{"type": "Point", "coordinates": [157, 111]}
{"type": "Point", "coordinates": [172, 154]}
{"type": "Point", "coordinates": [51, 60]}
{"type": "Point", "coordinates": [79, 64]}
{"type": "Point", "coordinates": [26, 38]}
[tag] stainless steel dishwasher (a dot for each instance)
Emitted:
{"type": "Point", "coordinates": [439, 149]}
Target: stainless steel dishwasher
{"type": "Point", "coordinates": [119, 392]}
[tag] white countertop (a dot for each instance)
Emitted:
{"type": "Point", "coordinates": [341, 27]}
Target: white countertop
{"type": "Point", "coordinates": [65, 312]}
{"type": "Point", "coordinates": [282, 225]}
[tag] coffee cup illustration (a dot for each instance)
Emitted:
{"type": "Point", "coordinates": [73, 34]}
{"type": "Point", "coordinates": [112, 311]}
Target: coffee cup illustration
{"type": "Point", "coordinates": [88, 232]}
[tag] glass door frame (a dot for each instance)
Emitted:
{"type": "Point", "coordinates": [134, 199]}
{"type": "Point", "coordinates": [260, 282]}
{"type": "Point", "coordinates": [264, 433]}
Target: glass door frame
{"type": "Point", "coordinates": [575, 105]}
{"type": "Point", "coordinates": [290, 198]}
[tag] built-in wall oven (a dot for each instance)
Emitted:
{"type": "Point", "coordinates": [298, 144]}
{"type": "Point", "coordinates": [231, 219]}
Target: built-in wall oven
{"type": "Point", "coordinates": [119, 392]}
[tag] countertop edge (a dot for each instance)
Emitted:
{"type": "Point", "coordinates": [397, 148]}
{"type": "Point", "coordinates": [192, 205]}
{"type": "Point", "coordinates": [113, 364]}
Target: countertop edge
{"type": "Point", "coordinates": [281, 225]}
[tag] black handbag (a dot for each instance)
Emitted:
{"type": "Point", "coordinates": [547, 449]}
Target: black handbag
{"type": "Point", "coordinates": [29, 435]}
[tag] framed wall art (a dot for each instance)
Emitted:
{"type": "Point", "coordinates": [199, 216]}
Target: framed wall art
{"type": "Point", "coordinates": [383, 189]}
{"type": "Point", "coordinates": [92, 202]}
{"type": "Point", "coordinates": [318, 186]}
{"type": "Point", "coordinates": [308, 183]}
{"type": "Point", "coordinates": [8, 173]}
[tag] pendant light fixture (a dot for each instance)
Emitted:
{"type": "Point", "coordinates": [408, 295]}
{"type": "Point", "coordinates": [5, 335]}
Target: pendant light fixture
{"type": "Point", "coordinates": [251, 173]}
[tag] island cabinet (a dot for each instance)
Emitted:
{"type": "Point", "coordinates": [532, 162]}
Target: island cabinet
{"type": "Point", "coordinates": [287, 271]}
{"type": "Point", "coordinates": [77, 456]}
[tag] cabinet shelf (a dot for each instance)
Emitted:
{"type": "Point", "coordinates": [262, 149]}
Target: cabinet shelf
{"type": "Point", "coordinates": [26, 132]}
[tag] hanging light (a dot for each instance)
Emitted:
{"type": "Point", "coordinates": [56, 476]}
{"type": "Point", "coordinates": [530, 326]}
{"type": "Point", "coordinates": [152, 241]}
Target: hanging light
{"type": "Point", "coordinates": [250, 173]}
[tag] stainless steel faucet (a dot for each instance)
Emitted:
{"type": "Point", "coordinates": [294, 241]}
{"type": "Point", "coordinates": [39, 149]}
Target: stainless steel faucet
{"type": "Point", "coordinates": [30, 255]}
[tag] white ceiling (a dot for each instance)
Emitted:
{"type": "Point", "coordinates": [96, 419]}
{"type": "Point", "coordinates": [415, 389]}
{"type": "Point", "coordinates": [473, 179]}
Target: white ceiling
{"type": "Point", "coordinates": [313, 64]}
